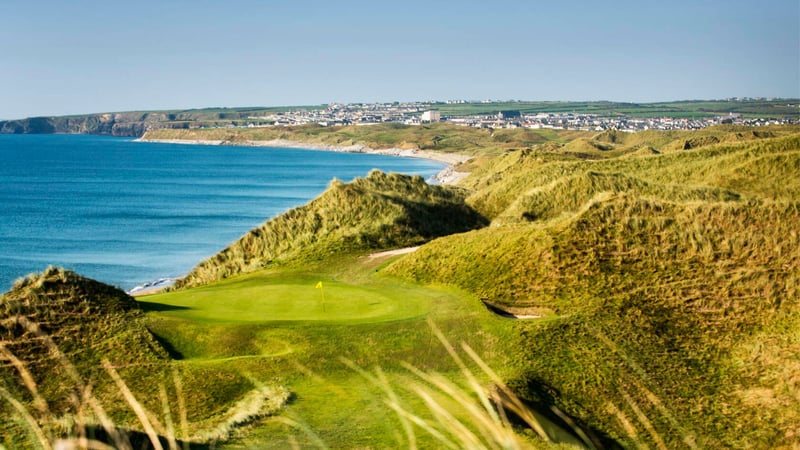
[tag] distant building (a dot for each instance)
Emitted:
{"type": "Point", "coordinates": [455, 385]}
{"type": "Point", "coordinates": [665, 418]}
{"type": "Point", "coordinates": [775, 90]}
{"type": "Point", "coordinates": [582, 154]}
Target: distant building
{"type": "Point", "coordinates": [508, 114]}
{"type": "Point", "coordinates": [431, 116]}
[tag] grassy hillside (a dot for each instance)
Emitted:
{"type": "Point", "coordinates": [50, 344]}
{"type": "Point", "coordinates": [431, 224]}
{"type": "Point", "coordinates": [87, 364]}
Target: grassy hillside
{"type": "Point", "coordinates": [86, 321]}
{"type": "Point", "coordinates": [759, 164]}
{"type": "Point", "coordinates": [658, 273]}
{"type": "Point", "coordinates": [440, 137]}
{"type": "Point", "coordinates": [76, 354]}
{"type": "Point", "coordinates": [379, 211]}
{"type": "Point", "coordinates": [135, 123]}
{"type": "Point", "coordinates": [276, 325]}
{"type": "Point", "coordinates": [669, 282]}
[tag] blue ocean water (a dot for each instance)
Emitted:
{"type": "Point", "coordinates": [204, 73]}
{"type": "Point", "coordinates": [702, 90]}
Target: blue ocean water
{"type": "Point", "coordinates": [126, 212]}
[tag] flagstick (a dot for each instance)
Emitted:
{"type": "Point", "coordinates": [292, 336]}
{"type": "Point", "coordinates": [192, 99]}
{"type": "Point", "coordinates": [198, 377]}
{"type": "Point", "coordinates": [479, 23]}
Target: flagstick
{"type": "Point", "coordinates": [322, 290]}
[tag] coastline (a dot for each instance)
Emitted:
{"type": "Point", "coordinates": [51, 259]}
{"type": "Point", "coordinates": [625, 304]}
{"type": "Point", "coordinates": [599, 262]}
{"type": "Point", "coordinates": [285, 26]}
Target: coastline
{"type": "Point", "coordinates": [448, 175]}
{"type": "Point", "coordinates": [152, 287]}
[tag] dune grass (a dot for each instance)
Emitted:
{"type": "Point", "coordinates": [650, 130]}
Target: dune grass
{"type": "Point", "coordinates": [378, 211]}
{"type": "Point", "coordinates": [658, 307]}
{"type": "Point", "coordinates": [543, 183]}
{"type": "Point", "coordinates": [665, 265]}
{"type": "Point", "coordinates": [239, 347]}
{"type": "Point", "coordinates": [672, 278]}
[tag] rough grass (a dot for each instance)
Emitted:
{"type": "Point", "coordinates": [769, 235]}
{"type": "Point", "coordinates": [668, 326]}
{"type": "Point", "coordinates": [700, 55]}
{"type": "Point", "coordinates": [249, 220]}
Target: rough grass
{"type": "Point", "coordinates": [227, 362]}
{"type": "Point", "coordinates": [377, 212]}
{"type": "Point", "coordinates": [758, 168]}
{"type": "Point", "coordinates": [697, 287]}
{"type": "Point", "coordinates": [82, 317]}
{"type": "Point", "coordinates": [69, 343]}
{"type": "Point", "coordinates": [674, 278]}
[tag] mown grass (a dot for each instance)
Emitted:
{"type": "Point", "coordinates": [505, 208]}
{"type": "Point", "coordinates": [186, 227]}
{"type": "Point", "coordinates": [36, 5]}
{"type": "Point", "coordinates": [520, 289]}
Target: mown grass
{"type": "Point", "coordinates": [77, 355]}
{"type": "Point", "coordinates": [276, 297]}
{"type": "Point", "coordinates": [285, 336]}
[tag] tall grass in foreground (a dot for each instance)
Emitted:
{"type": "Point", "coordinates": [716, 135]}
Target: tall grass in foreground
{"type": "Point", "coordinates": [91, 427]}
{"type": "Point", "coordinates": [457, 416]}
{"type": "Point", "coordinates": [470, 416]}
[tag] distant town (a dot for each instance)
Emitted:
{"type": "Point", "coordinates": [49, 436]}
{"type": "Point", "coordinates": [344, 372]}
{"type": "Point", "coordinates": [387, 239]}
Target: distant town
{"type": "Point", "coordinates": [417, 113]}
{"type": "Point", "coordinates": [495, 114]}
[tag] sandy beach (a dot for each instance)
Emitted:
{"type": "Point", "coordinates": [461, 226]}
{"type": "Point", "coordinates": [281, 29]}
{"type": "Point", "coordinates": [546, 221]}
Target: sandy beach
{"type": "Point", "coordinates": [447, 176]}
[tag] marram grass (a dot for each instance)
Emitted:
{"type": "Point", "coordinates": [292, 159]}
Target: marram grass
{"type": "Point", "coordinates": [666, 263]}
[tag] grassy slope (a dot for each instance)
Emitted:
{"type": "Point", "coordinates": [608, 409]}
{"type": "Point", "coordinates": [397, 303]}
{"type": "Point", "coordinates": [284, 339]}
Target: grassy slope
{"type": "Point", "coordinates": [547, 170]}
{"type": "Point", "coordinates": [286, 336]}
{"type": "Point", "coordinates": [674, 277]}
{"type": "Point", "coordinates": [376, 212]}
{"type": "Point", "coordinates": [88, 322]}
{"type": "Point", "coordinates": [439, 137]}
{"type": "Point", "coordinates": [134, 123]}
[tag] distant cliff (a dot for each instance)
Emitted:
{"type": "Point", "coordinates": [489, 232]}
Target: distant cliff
{"type": "Point", "coordinates": [136, 123]}
{"type": "Point", "coordinates": [115, 124]}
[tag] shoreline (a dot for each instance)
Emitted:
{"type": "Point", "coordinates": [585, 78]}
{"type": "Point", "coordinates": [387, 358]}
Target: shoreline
{"type": "Point", "coordinates": [448, 175]}
{"type": "Point", "coordinates": [152, 287]}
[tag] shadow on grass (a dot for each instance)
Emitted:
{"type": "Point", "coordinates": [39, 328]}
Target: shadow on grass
{"type": "Point", "coordinates": [139, 440]}
{"type": "Point", "coordinates": [159, 307]}
{"type": "Point", "coordinates": [540, 398]}
{"type": "Point", "coordinates": [173, 352]}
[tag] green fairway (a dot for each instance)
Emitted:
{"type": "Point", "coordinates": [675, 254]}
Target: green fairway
{"type": "Point", "coordinates": [275, 327]}
{"type": "Point", "coordinates": [265, 297]}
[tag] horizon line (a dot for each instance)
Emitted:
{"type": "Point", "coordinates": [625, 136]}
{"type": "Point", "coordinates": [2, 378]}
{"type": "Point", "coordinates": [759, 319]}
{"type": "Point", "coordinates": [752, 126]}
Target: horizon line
{"type": "Point", "coordinates": [448, 101]}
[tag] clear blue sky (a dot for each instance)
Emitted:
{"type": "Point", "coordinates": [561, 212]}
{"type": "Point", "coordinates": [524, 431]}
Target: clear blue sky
{"type": "Point", "coordinates": [69, 57]}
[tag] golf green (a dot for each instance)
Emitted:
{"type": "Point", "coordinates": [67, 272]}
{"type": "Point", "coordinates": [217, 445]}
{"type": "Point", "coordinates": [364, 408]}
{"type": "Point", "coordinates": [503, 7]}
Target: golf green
{"type": "Point", "coordinates": [296, 297]}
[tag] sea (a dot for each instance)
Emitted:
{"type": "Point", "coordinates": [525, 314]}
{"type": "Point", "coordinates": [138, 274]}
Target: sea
{"type": "Point", "coordinates": [131, 213]}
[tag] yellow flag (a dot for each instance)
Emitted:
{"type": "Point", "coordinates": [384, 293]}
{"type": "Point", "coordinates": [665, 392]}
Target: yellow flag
{"type": "Point", "coordinates": [319, 285]}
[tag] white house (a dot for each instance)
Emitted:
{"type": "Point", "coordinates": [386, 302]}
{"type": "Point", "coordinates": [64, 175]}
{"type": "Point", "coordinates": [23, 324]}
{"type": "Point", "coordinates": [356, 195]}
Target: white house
{"type": "Point", "coordinates": [431, 116]}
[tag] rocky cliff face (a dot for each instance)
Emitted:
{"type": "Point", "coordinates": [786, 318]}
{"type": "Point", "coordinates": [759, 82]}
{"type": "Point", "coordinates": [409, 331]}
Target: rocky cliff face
{"type": "Point", "coordinates": [126, 123]}
{"type": "Point", "coordinates": [114, 124]}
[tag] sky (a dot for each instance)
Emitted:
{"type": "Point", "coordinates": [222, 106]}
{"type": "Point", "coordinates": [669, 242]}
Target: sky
{"type": "Point", "coordinates": [72, 57]}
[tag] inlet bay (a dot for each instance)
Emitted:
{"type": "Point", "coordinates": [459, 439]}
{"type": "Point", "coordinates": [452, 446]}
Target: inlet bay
{"type": "Point", "coordinates": [126, 212]}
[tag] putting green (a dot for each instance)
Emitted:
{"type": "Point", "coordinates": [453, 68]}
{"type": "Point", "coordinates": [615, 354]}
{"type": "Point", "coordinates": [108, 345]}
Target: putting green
{"type": "Point", "coordinates": [269, 298]}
